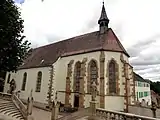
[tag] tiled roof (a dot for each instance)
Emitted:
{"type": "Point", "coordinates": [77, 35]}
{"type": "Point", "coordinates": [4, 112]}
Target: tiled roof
{"type": "Point", "coordinates": [139, 78]}
{"type": "Point", "coordinates": [47, 55]}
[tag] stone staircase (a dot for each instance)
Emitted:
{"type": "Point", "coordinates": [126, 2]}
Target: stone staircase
{"type": "Point", "coordinates": [8, 108]}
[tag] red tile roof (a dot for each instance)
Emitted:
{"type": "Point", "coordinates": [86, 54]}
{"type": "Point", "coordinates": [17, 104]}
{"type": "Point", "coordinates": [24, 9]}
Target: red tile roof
{"type": "Point", "coordinates": [47, 55]}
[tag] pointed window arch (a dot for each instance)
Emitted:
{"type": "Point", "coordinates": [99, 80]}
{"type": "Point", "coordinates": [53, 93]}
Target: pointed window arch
{"type": "Point", "coordinates": [24, 81]}
{"type": "Point", "coordinates": [77, 77]}
{"type": "Point", "coordinates": [9, 77]}
{"type": "Point", "coordinates": [93, 74]}
{"type": "Point", "coordinates": [112, 77]}
{"type": "Point", "coordinates": [39, 79]}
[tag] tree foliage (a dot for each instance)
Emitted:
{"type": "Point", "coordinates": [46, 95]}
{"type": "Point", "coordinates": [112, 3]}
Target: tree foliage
{"type": "Point", "coordinates": [155, 86]}
{"type": "Point", "coordinates": [13, 47]}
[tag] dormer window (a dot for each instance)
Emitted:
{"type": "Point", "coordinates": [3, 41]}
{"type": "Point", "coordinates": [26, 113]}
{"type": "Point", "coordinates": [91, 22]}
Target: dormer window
{"type": "Point", "coordinates": [42, 61]}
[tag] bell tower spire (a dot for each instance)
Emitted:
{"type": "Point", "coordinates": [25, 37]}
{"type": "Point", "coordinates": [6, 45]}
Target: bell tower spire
{"type": "Point", "coordinates": [103, 20]}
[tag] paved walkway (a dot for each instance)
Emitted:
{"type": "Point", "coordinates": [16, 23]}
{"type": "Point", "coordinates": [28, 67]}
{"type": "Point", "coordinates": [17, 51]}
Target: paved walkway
{"type": "Point", "coordinates": [40, 114]}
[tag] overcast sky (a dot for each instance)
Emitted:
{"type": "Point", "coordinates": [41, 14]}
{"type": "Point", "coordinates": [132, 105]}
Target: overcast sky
{"type": "Point", "coordinates": [136, 23]}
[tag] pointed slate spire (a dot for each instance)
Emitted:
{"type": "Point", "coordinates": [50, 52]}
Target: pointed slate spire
{"type": "Point", "coordinates": [103, 20]}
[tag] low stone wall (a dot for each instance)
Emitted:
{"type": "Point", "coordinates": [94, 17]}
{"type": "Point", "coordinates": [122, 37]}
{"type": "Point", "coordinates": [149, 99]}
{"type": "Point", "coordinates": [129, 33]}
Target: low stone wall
{"type": "Point", "coordinates": [143, 111]}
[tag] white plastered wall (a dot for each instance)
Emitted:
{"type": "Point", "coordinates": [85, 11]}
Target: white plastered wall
{"type": "Point", "coordinates": [61, 74]}
{"type": "Point", "coordinates": [114, 102]}
{"type": "Point", "coordinates": [143, 89]}
{"type": "Point", "coordinates": [31, 83]}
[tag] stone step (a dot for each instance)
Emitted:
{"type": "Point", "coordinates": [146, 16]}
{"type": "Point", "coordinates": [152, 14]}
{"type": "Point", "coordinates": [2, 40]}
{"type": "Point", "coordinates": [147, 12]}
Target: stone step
{"type": "Point", "coordinates": [7, 111]}
{"type": "Point", "coordinates": [8, 108]}
{"type": "Point", "coordinates": [5, 101]}
{"type": "Point", "coordinates": [4, 106]}
{"type": "Point", "coordinates": [12, 113]}
{"type": "Point", "coordinates": [16, 115]}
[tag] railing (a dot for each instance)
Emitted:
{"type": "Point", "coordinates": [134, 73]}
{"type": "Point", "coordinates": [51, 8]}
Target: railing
{"type": "Point", "coordinates": [113, 115]}
{"type": "Point", "coordinates": [5, 96]}
{"type": "Point", "coordinates": [19, 105]}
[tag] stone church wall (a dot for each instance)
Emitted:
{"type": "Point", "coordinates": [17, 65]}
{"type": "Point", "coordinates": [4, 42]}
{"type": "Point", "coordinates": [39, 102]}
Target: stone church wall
{"type": "Point", "coordinates": [65, 64]}
{"type": "Point", "coordinates": [117, 99]}
{"type": "Point", "coordinates": [41, 96]}
{"type": "Point", "coordinates": [114, 103]}
{"type": "Point", "coordinates": [61, 73]}
{"type": "Point", "coordinates": [64, 80]}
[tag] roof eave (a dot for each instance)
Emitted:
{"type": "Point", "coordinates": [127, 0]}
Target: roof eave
{"type": "Point", "coordinates": [30, 67]}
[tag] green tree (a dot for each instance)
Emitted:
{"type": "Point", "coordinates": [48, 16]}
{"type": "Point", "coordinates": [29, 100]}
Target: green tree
{"type": "Point", "coordinates": [155, 86]}
{"type": "Point", "coordinates": [13, 47]}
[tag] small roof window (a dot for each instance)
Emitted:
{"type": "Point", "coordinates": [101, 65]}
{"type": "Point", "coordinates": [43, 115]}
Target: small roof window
{"type": "Point", "coordinates": [42, 61]}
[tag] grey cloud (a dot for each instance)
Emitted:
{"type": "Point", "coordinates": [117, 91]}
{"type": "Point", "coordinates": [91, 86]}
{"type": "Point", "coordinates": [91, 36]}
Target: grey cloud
{"type": "Point", "coordinates": [34, 45]}
{"type": "Point", "coordinates": [147, 65]}
{"type": "Point", "coordinates": [145, 62]}
{"type": "Point", "coordinates": [53, 38]}
{"type": "Point", "coordinates": [119, 30]}
{"type": "Point", "coordinates": [92, 22]}
{"type": "Point", "coordinates": [90, 25]}
{"type": "Point", "coordinates": [151, 73]}
{"type": "Point", "coordinates": [152, 70]}
{"type": "Point", "coordinates": [143, 67]}
{"type": "Point", "coordinates": [141, 45]}
{"type": "Point", "coordinates": [147, 68]}
{"type": "Point", "coordinates": [151, 58]}
{"type": "Point", "coordinates": [148, 41]}
{"type": "Point", "coordinates": [155, 78]}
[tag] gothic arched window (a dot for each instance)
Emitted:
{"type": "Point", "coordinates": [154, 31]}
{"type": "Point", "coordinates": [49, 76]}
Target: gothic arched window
{"type": "Point", "coordinates": [112, 77]}
{"type": "Point", "coordinates": [39, 79]}
{"type": "Point", "coordinates": [8, 79]}
{"type": "Point", "coordinates": [77, 77]}
{"type": "Point", "coordinates": [93, 73]}
{"type": "Point", "coordinates": [24, 81]}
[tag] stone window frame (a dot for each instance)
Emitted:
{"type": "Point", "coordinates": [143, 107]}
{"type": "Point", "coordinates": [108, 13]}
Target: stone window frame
{"type": "Point", "coordinates": [116, 77]}
{"type": "Point", "coordinates": [89, 75]}
{"type": "Point", "coordinates": [76, 79]}
{"type": "Point", "coordinates": [24, 81]}
{"type": "Point", "coordinates": [8, 78]}
{"type": "Point", "coordinates": [39, 81]}
{"type": "Point", "coordinates": [68, 83]}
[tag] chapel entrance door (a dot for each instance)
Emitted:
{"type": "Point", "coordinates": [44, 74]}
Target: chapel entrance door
{"type": "Point", "coordinates": [76, 101]}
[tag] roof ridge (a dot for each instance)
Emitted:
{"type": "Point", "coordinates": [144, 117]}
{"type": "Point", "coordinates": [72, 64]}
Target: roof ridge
{"type": "Point", "coordinates": [64, 40]}
{"type": "Point", "coordinates": [143, 80]}
{"type": "Point", "coordinates": [116, 39]}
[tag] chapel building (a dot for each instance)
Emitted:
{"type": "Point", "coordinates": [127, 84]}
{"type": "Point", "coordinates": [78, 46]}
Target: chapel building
{"type": "Point", "coordinates": [69, 67]}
